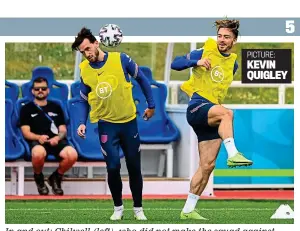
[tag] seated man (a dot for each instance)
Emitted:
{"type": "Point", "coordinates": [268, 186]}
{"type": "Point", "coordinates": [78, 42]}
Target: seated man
{"type": "Point", "coordinates": [43, 126]}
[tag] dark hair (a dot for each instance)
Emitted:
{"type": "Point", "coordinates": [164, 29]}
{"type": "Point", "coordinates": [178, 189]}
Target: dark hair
{"type": "Point", "coordinates": [233, 25]}
{"type": "Point", "coordinates": [39, 80]}
{"type": "Point", "coordinates": [83, 34]}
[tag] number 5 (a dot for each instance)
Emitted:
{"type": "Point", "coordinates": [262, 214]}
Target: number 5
{"type": "Point", "coordinates": [289, 26]}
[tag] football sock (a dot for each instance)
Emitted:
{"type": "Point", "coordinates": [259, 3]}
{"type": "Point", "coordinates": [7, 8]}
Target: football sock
{"type": "Point", "coordinates": [230, 147]}
{"type": "Point", "coordinates": [190, 203]}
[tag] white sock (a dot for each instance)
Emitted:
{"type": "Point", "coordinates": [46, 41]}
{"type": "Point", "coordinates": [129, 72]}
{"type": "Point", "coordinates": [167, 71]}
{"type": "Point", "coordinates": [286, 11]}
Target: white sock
{"type": "Point", "coordinates": [230, 147]}
{"type": "Point", "coordinates": [190, 203]}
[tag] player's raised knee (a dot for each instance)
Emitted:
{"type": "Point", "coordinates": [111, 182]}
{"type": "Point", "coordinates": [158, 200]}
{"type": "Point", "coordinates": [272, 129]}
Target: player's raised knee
{"type": "Point", "coordinates": [229, 113]}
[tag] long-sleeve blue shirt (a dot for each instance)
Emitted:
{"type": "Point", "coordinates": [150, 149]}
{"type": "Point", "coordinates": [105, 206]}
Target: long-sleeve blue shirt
{"type": "Point", "coordinates": [190, 60]}
{"type": "Point", "coordinates": [130, 68]}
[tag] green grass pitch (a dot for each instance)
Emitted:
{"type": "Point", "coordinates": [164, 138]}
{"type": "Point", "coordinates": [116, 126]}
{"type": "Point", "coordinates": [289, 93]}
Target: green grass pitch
{"type": "Point", "coordinates": [157, 212]}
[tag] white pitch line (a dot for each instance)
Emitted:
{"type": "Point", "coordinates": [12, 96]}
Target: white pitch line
{"type": "Point", "coordinates": [145, 209]}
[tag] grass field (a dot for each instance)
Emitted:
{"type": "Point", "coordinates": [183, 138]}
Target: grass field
{"type": "Point", "coordinates": [157, 212]}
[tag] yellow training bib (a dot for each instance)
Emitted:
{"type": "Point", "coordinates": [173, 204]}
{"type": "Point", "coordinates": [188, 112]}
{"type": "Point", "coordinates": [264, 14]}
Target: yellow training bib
{"type": "Point", "coordinates": [110, 98]}
{"type": "Point", "coordinates": [214, 83]}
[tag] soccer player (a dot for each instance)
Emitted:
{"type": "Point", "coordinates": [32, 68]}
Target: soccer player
{"type": "Point", "coordinates": [213, 68]}
{"type": "Point", "coordinates": [107, 91]}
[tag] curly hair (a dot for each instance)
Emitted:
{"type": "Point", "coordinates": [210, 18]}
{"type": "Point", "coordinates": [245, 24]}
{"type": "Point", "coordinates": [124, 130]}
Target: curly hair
{"type": "Point", "coordinates": [233, 25]}
{"type": "Point", "coordinates": [83, 34]}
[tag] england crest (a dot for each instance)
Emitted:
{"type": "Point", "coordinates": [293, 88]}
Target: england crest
{"type": "Point", "coordinates": [104, 138]}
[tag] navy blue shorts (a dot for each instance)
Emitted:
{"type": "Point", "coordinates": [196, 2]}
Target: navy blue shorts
{"type": "Point", "coordinates": [114, 136]}
{"type": "Point", "coordinates": [197, 117]}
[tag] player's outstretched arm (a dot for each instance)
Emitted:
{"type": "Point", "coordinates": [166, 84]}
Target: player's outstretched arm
{"type": "Point", "coordinates": [186, 61]}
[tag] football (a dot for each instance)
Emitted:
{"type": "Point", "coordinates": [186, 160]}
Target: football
{"type": "Point", "coordinates": [111, 35]}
